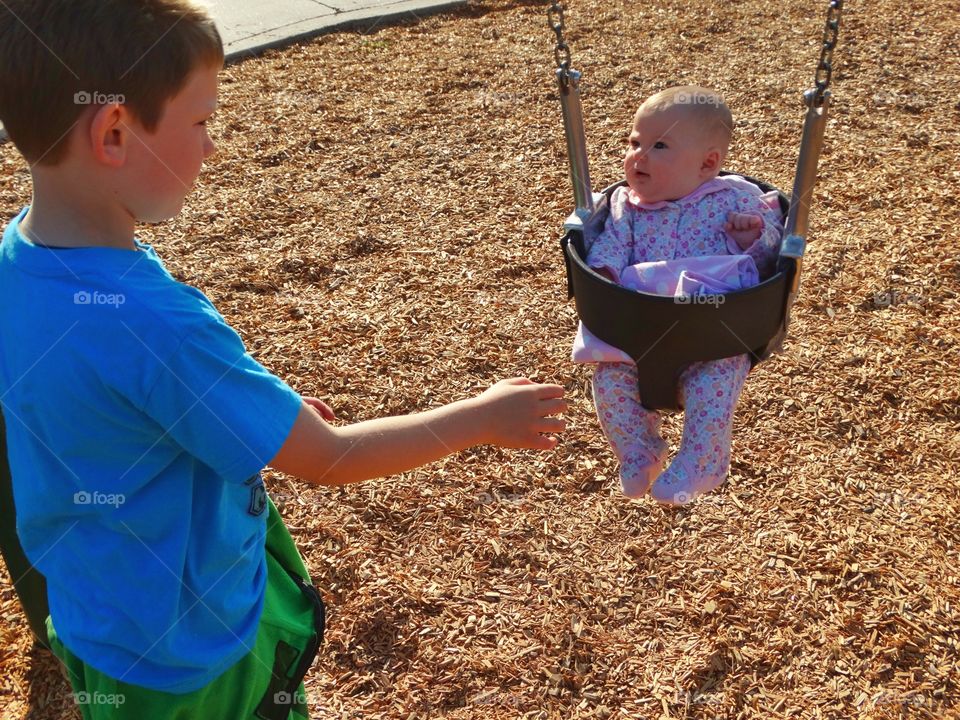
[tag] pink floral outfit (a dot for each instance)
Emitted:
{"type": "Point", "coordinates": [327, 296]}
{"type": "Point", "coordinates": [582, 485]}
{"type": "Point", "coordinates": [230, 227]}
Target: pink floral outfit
{"type": "Point", "coordinates": [677, 248]}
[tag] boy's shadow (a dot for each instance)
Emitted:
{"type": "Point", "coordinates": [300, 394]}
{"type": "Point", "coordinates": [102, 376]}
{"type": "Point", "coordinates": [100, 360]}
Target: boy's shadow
{"type": "Point", "coordinates": [50, 696]}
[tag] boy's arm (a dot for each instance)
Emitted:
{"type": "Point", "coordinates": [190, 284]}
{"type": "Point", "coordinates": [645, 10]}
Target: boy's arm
{"type": "Point", "coordinates": [512, 413]}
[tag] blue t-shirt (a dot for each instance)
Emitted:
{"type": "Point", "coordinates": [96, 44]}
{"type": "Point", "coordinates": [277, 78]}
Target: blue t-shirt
{"type": "Point", "coordinates": [137, 426]}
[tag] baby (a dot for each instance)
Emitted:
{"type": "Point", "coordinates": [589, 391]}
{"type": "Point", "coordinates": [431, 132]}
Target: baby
{"type": "Point", "coordinates": [678, 227]}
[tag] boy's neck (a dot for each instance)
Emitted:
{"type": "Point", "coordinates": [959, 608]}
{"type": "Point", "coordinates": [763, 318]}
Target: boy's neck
{"type": "Point", "coordinates": [59, 219]}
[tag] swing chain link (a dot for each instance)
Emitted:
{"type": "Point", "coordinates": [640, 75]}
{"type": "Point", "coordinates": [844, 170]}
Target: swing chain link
{"type": "Point", "coordinates": [561, 52]}
{"type": "Point", "coordinates": [825, 66]}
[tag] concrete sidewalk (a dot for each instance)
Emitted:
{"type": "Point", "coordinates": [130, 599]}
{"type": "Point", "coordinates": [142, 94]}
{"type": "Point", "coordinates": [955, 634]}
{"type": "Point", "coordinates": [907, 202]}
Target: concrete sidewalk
{"type": "Point", "coordinates": [251, 26]}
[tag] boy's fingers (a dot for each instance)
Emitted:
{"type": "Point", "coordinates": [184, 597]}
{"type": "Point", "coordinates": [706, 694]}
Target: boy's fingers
{"type": "Point", "coordinates": [553, 406]}
{"type": "Point", "coordinates": [547, 392]}
{"type": "Point", "coordinates": [542, 442]}
{"type": "Point", "coordinates": [543, 389]}
{"type": "Point", "coordinates": [551, 425]}
{"type": "Point", "coordinates": [321, 408]}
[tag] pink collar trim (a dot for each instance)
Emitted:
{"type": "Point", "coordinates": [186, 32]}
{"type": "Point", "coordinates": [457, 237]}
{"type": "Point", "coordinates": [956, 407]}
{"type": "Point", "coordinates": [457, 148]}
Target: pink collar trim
{"type": "Point", "coordinates": [710, 186]}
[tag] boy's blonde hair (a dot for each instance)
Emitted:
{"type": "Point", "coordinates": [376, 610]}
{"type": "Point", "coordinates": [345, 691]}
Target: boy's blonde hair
{"type": "Point", "coordinates": [57, 57]}
{"type": "Point", "coordinates": [704, 106]}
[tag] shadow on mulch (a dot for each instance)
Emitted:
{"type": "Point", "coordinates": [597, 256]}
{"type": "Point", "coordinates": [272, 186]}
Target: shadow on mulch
{"type": "Point", "coordinates": [48, 688]}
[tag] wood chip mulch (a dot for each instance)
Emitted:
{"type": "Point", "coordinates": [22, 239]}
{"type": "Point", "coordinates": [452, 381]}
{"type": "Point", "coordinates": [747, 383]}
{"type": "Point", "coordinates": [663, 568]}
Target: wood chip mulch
{"type": "Point", "coordinates": [380, 223]}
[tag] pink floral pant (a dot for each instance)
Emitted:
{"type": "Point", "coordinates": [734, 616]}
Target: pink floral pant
{"type": "Point", "coordinates": [708, 392]}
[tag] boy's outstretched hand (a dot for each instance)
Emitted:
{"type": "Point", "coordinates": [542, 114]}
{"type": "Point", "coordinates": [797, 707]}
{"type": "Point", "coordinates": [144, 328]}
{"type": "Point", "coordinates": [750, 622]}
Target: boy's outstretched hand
{"type": "Point", "coordinates": [518, 414]}
{"type": "Point", "coordinates": [515, 413]}
{"type": "Point", "coordinates": [323, 410]}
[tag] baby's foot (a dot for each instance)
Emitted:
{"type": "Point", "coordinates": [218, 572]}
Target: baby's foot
{"type": "Point", "coordinates": [685, 480]}
{"type": "Point", "coordinates": [639, 470]}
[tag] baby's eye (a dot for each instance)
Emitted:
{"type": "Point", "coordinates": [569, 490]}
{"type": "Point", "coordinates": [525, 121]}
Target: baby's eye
{"type": "Point", "coordinates": [659, 145]}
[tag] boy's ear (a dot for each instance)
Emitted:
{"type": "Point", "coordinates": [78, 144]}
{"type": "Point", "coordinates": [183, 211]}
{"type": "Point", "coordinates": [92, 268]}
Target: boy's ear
{"type": "Point", "coordinates": [110, 134]}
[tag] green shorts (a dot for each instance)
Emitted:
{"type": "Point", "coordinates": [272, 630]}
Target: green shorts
{"type": "Point", "coordinates": [266, 684]}
{"type": "Point", "coordinates": [28, 583]}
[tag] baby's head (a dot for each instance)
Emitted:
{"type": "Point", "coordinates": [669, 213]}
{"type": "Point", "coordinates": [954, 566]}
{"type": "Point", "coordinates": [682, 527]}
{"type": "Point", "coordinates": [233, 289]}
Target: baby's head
{"type": "Point", "coordinates": [110, 91]}
{"type": "Point", "coordinates": [679, 141]}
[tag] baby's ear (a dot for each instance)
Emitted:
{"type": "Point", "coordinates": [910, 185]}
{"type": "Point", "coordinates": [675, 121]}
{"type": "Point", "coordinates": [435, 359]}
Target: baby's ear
{"type": "Point", "coordinates": [711, 162]}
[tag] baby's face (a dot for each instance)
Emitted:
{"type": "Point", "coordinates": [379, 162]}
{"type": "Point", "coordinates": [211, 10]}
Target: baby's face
{"type": "Point", "coordinates": [666, 156]}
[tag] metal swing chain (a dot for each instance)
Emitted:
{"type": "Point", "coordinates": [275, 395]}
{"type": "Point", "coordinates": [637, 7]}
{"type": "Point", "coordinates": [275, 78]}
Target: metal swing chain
{"type": "Point", "coordinates": [825, 66]}
{"type": "Point", "coordinates": [568, 81]}
{"type": "Point", "coordinates": [561, 52]}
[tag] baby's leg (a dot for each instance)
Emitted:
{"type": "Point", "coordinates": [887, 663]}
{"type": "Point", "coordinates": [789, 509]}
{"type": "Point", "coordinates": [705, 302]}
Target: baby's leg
{"type": "Point", "coordinates": [709, 391]}
{"type": "Point", "coordinates": [633, 431]}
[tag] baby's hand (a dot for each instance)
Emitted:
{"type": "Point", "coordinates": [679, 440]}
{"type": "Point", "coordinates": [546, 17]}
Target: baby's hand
{"type": "Point", "coordinates": [743, 228]}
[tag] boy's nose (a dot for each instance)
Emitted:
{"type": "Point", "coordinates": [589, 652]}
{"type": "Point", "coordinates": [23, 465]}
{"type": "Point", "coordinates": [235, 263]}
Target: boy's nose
{"type": "Point", "coordinates": [208, 148]}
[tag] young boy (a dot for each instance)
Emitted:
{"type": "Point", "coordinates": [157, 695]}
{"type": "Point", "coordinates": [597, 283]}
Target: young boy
{"type": "Point", "coordinates": [137, 424]}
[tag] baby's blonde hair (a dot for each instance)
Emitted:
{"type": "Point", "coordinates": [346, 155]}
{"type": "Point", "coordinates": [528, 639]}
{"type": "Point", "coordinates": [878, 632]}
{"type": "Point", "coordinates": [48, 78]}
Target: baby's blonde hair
{"type": "Point", "coordinates": [705, 107]}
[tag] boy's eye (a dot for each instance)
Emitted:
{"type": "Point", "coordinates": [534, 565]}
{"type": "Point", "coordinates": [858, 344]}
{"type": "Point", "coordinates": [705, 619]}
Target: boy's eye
{"type": "Point", "coordinates": [659, 145]}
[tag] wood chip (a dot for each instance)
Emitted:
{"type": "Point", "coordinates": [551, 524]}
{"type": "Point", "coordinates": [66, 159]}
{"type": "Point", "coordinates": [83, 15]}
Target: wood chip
{"type": "Point", "coordinates": [380, 224]}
